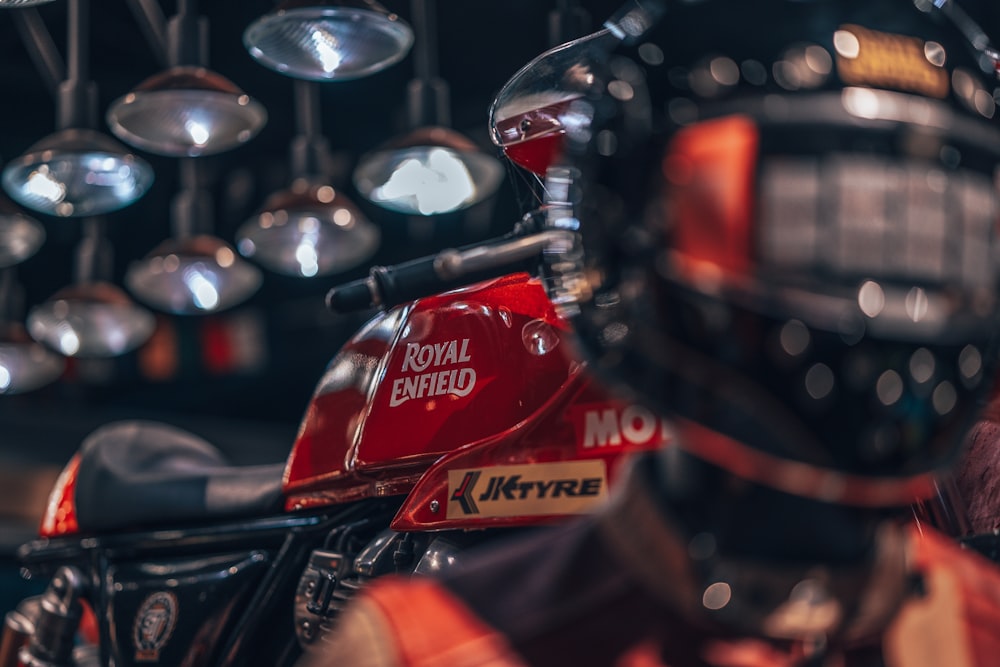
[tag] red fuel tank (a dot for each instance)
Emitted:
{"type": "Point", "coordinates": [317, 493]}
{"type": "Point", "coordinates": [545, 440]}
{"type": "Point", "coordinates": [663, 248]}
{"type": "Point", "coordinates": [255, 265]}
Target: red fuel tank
{"type": "Point", "coordinates": [425, 379]}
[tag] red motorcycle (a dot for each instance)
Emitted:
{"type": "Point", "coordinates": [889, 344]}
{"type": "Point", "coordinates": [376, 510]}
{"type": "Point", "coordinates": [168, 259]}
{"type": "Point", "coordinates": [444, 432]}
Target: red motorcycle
{"type": "Point", "coordinates": [456, 414]}
{"type": "Point", "coordinates": [444, 419]}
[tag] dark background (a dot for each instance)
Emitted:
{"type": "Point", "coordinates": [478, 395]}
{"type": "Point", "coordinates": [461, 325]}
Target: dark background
{"type": "Point", "coordinates": [251, 409]}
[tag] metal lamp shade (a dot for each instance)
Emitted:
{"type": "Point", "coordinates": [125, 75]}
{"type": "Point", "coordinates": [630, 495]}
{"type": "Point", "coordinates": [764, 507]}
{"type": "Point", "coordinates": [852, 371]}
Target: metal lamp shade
{"type": "Point", "coordinates": [196, 275]}
{"type": "Point", "coordinates": [308, 230]}
{"type": "Point", "coordinates": [432, 170]}
{"type": "Point", "coordinates": [186, 112]}
{"type": "Point", "coordinates": [77, 173]}
{"type": "Point", "coordinates": [24, 364]}
{"type": "Point", "coordinates": [91, 320]}
{"type": "Point", "coordinates": [20, 237]}
{"type": "Point", "coordinates": [328, 41]}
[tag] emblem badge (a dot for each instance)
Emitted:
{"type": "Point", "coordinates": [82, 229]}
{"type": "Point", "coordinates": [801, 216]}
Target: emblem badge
{"type": "Point", "coordinates": [154, 623]}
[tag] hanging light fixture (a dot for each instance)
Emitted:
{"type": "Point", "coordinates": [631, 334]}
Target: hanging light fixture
{"type": "Point", "coordinates": [92, 317]}
{"type": "Point", "coordinates": [20, 235]}
{"type": "Point", "coordinates": [433, 169]}
{"type": "Point", "coordinates": [309, 229]}
{"type": "Point", "coordinates": [77, 171]}
{"type": "Point", "coordinates": [192, 272]}
{"type": "Point", "coordinates": [4, 4]}
{"type": "Point", "coordinates": [187, 110]}
{"type": "Point", "coordinates": [328, 40]}
{"type": "Point", "coordinates": [190, 276]}
{"type": "Point", "coordinates": [24, 364]}
{"type": "Point", "coordinates": [429, 171]}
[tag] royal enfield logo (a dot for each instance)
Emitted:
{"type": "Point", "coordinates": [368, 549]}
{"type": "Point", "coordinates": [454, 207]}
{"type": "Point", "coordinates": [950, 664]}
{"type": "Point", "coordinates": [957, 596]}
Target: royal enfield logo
{"type": "Point", "coordinates": [444, 380]}
{"type": "Point", "coordinates": [154, 623]}
{"type": "Point", "coordinates": [532, 489]}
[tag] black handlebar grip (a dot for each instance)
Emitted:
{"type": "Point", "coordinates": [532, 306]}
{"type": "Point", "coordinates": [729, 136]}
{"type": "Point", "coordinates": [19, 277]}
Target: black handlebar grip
{"type": "Point", "coordinates": [409, 280]}
{"type": "Point", "coordinates": [351, 297]}
{"type": "Point", "coordinates": [388, 286]}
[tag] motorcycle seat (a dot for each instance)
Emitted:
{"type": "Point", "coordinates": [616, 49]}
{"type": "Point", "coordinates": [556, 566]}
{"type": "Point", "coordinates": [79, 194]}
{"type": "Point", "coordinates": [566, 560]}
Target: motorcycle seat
{"type": "Point", "coordinates": [147, 474]}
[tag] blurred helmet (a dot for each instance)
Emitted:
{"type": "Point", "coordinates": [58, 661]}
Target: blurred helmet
{"type": "Point", "coordinates": [788, 214]}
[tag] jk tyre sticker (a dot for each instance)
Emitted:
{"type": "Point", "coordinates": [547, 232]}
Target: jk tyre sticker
{"type": "Point", "coordinates": [532, 489]}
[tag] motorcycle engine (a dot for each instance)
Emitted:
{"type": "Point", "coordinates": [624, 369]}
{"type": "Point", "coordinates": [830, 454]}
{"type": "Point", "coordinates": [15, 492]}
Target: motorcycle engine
{"type": "Point", "coordinates": [335, 573]}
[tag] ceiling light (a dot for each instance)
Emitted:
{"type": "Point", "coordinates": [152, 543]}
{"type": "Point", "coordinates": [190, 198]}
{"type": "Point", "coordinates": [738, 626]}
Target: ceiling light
{"type": "Point", "coordinates": [94, 319]}
{"type": "Point", "coordinates": [430, 171]}
{"type": "Point", "coordinates": [77, 172]}
{"type": "Point", "coordinates": [308, 230]}
{"type": "Point", "coordinates": [186, 111]}
{"type": "Point", "coordinates": [192, 272]}
{"type": "Point", "coordinates": [328, 41]}
{"type": "Point", "coordinates": [24, 364]}
{"type": "Point", "coordinates": [193, 275]}
{"type": "Point", "coordinates": [20, 235]}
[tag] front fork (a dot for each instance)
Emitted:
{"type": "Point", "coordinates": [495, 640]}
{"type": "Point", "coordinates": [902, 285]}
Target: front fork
{"type": "Point", "coordinates": [42, 631]}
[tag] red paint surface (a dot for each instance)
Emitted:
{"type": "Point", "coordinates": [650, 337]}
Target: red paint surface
{"type": "Point", "coordinates": [355, 443]}
{"type": "Point", "coordinates": [60, 514]}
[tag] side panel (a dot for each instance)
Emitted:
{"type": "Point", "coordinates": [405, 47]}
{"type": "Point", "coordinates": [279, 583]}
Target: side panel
{"type": "Point", "coordinates": [561, 462]}
{"type": "Point", "coordinates": [320, 457]}
{"type": "Point", "coordinates": [172, 612]}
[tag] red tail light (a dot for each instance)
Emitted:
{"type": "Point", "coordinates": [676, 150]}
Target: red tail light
{"type": "Point", "coordinates": [60, 514]}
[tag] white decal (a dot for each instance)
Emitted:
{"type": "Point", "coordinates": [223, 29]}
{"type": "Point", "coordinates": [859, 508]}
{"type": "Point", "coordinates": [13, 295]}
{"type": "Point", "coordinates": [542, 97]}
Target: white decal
{"type": "Point", "coordinates": [635, 425]}
{"type": "Point", "coordinates": [418, 358]}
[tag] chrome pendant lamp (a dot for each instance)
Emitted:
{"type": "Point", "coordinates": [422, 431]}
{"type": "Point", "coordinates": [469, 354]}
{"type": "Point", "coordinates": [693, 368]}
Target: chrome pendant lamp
{"type": "Point", "coordinates": [432, 169]}
{"type": "Point", "coordinates": [77, 171]}
{"type": "Point", "coordinates": [193, 272]}
{"type": "Point", "coordinates": [186, 110]}
{"type": "Point", "coordinates": [92, 317]}
{"type": "Point", "coordinates": [328, 40]}
{"type": "Point", "coordinates": [25, 365]}
{"type": "Point", "coordinates": [311, 228]}
{"type": "Point", "coordinates": [20, 235]}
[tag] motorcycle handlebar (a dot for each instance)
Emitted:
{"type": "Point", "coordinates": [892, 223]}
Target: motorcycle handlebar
{"type": "Point", "coordinates": [386, 286]}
